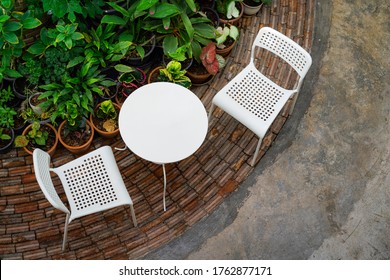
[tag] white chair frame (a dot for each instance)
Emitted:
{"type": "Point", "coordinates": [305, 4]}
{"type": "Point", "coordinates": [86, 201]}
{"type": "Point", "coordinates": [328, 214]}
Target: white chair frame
{"type": "Point", "coordinates": [92, 183]}
{"type": "Point", "coordinates": [251, 97]}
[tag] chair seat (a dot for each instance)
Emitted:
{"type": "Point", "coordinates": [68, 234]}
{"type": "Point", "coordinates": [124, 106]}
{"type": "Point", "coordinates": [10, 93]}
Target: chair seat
{"type": "Point", "coordinates": [93, 183]}
{"type": "Point", "coordinates": [253, 99]}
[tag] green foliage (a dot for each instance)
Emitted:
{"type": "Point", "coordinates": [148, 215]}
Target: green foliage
{"type": "Point", "coordinates": [228, 8]}
{"type": "Point", "coordinates": [179, 27]}
{"type": "Point", "coordinates": [12, 25]}
{"type": "Point", "coordinates": [129, 74]}
{"type": "Point", "coordinates": [70, 9]}
{"type": "Point", "coordinates": [3, 135]}
{"type": "Point", "coordinates": [6, 95]}
{"type": "Point", "coordinates": [7, 116]}
{"type": "Point", "coordinates": [35, 135]}
{"type": "Point", "coordinates": [173, 73]}
{"type": "Point", "coordinates": [227, 31]}
{"type": "Point", "coordinates": [107, 110]}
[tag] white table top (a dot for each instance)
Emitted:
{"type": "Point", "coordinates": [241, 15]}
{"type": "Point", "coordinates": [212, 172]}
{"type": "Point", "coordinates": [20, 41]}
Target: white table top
{"type": "Point", "coordinates": [163, 122]}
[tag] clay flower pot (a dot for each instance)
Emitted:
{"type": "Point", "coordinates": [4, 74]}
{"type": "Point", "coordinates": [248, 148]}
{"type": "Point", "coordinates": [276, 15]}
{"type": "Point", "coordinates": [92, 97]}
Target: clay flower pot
{"type": "Point", "coordinates": [76, 149]}
{"type": "Point", "coordinates": [52, 149]}
{"type": "Point", "coordinates": [102, 132]}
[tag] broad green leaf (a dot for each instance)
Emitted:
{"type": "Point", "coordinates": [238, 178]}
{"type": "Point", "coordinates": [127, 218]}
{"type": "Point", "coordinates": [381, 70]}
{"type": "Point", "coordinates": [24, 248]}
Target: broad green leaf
{"type": "Point", "coordinates": [11, 26]}
{"type": "Point", "coordinates": [11, 38]}
{"type": "Point", "coordinates": [77, 36]}
{"type": "Point", "coordinates": [145, 4]}
{"type": "Point", "coordinates": [68, 43]}
{"type": "Point", "coordinates": [4, 18]}
{"type": "Point", "coordinates": [124, 68]}
{"type": "Point", "coordinates": [75, 61]}
{"type": "Point", "coordinates": [37, 49]}
{"type": "Point", "coordinates": [31, 23]}
{"type": "Point", "coordinates": [112, 19]}
{"type": "Point", "coordinates": [166, 10]}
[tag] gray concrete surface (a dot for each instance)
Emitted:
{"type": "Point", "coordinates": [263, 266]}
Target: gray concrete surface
{"type": "Point", "coordinates": [322, 190]}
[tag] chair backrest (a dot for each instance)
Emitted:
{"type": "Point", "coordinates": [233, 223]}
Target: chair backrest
{"type": "Point", "coordinates": [281, 45]}
{"type": "Point", "coordinates": [42, 169]}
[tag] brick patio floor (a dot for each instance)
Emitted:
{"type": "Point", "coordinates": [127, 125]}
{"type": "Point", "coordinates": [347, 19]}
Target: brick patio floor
{"type": "Point", "coordinates": [32, 229]}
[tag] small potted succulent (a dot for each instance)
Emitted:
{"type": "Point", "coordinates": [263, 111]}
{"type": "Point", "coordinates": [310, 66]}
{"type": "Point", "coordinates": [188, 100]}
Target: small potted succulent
{"type": "Point", "coordinates": [105, 119]}
{"type": "Point", "coordinates": [171, 73]}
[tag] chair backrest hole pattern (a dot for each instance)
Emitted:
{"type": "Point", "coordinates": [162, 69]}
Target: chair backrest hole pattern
{"type": "Point", "coordinates": [90, 183]}
{"type": "Point", "coordinates": [284, 49]}
{"type": "Point", "coordinates": [256, 95]}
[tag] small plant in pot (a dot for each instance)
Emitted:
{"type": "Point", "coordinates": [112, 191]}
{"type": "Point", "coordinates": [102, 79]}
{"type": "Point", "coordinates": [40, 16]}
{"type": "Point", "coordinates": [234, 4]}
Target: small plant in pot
{"type": "Point", "coordinates": [130, 78]}
{"type": "Point", "coordinates": [208, 66]}
{"type": "Point", "coordinates": [6, 139]}
{"type": "Point", "coordinates": [172, 73]}
{"type": "Point", "coordinates": [251, 7]}
{"type": "Point", "coordinates": [105, 119]}
{"type": "Point", "coordinates": [229, 11]}
{"type": "Point", "coordinates": [38, 136]}
{"type": "Point", "coordinates": [226, 39]}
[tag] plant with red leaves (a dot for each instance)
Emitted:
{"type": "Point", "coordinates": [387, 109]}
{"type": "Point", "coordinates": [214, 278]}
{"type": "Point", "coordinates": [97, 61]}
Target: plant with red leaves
{"type": "Point", "coordinates": [211, 60]}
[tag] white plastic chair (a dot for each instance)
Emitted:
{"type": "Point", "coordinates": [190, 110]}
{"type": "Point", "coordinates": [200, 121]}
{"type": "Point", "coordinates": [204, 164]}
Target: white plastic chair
{"type": "Point", "coordinates": [252, 98]}
{"type": "Point", "coordinates": [92, 183]}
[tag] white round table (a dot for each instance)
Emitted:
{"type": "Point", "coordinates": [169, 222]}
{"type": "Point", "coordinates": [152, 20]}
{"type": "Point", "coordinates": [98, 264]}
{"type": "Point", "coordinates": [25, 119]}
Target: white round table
{"type": "Point", "coordinates": [163, 123]}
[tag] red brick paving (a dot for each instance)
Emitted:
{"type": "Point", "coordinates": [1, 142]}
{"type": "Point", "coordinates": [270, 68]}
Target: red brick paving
{"type": "Point", "coordinates": [32, 229]}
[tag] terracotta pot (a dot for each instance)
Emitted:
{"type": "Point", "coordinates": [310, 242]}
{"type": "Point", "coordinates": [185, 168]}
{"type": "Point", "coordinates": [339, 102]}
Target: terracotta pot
{"type": "Point", "coordinates": [154, 74]}
{"type": "Point", "coordinates": [103, 133]}
{"type": "Point", "coordinates": [52, 150]}
{"type": "Point", "coordinates": [251, 10]}
{"type": "Point", "coordinates": [199, 79]}
{"type": "Point", "coordinates": [76, 149]}
{"type": "Point", "coordinates": [234, 21]}
{"type": "Point", "coordinates": [226, 51]}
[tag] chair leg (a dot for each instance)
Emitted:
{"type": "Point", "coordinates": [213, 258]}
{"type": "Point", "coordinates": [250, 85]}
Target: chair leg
{"type": "Point", "coordinates": [211, 110]}
{"type": "Point", "coordinates": [133, 215]}
{"type": "Point", "coordinates": [256, 152]}
{"type": "Point", "coordinates": [65, 232]}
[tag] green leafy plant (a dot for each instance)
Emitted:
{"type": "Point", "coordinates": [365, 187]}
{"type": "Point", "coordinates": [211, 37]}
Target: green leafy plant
{"type": "Point", "coordinates": [179, 27]}
{"type": "Point", "coordinates": [228, 8]}
{"type": "Point", "coordinates": [173, 73]}
{"type": "Point", "coordinates": [35, 135]}
{"type": "Point", "coordinates": [107, 110]}
{"type": "Point", "coordinates": [211, 60]}
{"type": "Point", "coordinates": [130, 74]}
{"type": "Point", "coordinates": [70, 9]}
{"type": "Point", "coordinates": [6, 95]}
{"type": "Point", "coordinates": [228, 31]}
{"type": "Point", "coordinates": [3, 135]}
{"type": "Point", "coordinates": [7, 116]}
{"type": "Point", "coordinates": [12, 25]}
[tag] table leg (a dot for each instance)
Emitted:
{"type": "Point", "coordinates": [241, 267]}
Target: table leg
{"type": "Point", "coordinates": [120, 149]}
{"type": "Point", "coordinates": [165, 185]}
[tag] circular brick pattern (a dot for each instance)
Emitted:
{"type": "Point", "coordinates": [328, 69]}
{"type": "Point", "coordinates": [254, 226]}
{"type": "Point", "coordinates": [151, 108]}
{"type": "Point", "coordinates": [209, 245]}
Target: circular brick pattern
{"type": "Point", "coordinates": [32, 229]}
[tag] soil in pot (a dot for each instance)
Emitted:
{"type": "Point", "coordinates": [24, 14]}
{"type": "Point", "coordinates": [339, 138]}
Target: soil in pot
{"type": "Point", "coordinates": [6, 145]}
{"type": "Point", "coordinates": [229, 45]}
{"type": "Point", "coordinates": [198, 74]}
{"type": "Point", "coordinates": [76, 138]}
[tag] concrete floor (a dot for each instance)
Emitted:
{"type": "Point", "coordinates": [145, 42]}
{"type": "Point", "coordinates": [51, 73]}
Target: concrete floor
{"type": "Point", "coordinates": [322, 190]}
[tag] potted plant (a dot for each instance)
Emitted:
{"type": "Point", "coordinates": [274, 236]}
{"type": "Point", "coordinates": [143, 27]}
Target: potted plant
{"type": "Point", "coordinates": [12, 25]}
{"type": "Point", "coordinates": [130, 78]}
{"type": "Point", "coordinates": [209, 65]}
{"type": "Point", "coordinates": [105, 119]}
{"type": "Point", "coordinates": [171, 73]}
{"type": "Point", "coordinates": [137, 45]}
{"type": "Point", "coordinates": [229, 11]}
{"type": "Point", "coordinates": [7, 136]}
{"type": "Point", "coordinates": [226, 39]}
{"type": "Point", "coordinates": [40, 136]}
{"type": "Point", "coordinates": [251, 7]}
{"type": "Point", "coordinates": [177, 25]}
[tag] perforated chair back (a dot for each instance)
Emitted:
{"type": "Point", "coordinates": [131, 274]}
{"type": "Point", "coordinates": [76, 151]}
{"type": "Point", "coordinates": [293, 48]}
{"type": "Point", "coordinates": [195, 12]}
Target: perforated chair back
{"type": "Point", "coordinates": [284, 47]}
{"type": "Point", "coordinates": [41, 161]}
